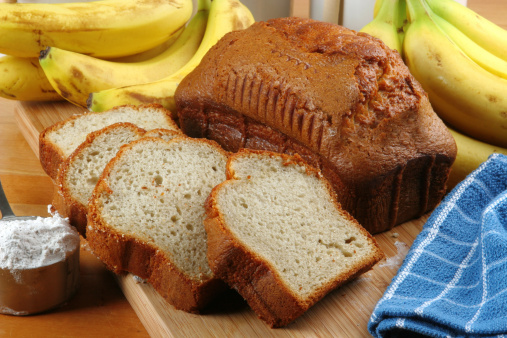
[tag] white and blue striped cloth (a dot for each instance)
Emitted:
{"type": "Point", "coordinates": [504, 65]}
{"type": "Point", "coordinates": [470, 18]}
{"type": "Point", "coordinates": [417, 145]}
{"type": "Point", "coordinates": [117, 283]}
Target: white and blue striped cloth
{"type": "Point", "coordinates": [453, 282]}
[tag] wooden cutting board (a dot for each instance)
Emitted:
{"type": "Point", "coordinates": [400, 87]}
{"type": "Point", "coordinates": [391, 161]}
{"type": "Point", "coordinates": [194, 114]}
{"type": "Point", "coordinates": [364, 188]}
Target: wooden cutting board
{"type": "Point", "coordinates": [343, 313]}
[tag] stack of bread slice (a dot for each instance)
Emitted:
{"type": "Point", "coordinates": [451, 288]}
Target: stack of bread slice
{"type": "Point", "coordinates": [189, 218]}
{"type": "Point", "coordinates": [57, 142]}
{"type": "Point", "coordinates": [80, 172]}
{"type": "Point", "coordinates": [75, 151]}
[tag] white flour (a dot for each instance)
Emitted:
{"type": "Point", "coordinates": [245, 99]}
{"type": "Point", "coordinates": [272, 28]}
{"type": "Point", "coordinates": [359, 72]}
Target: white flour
{"type": "Point", "coordinates": [35, 243]}
{"type": "Point", "coordinates": [394, 262]}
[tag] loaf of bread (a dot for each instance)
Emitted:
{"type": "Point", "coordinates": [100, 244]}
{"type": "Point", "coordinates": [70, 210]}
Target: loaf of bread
{"type": "Point", "coordinates": [277, 235]}
{"type": "Point", "coordinates": [80, 172]}
{"type": "Point", "coordinates": [146, 216]}
{"type": "Point", "coordinates": [342, 100]}
{"type": "Point", "coordinates": [58, 141]}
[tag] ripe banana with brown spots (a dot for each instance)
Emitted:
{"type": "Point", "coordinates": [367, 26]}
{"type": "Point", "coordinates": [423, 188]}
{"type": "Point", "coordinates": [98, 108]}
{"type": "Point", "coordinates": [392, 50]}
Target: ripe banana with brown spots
{"type": "Point", "coordinates": [105, 29]}
{"type": "Point", "coordinates": [22, 79]}
{"type": "Point", "coordinates": [74, 76]}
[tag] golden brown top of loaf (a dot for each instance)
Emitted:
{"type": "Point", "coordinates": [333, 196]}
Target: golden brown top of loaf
{"type": "Point", "coordinates": [343, 94]}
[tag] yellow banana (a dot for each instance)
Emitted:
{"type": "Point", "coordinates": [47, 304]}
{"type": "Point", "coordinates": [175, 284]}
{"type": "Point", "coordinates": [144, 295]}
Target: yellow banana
{"type": "Point", "coordinates": [484, 32]}
{"type": "Point", "coordinates": [22, 79]}
{"type": "Point", "coordinates": [150, 53]}
{"type": "Point", "coordinates": [464, 95]}
{"type": "Point", "coordinates": [224, 16]}
{"type": "Point", "coordinates": [107, 29]}
{"type": "Point", "coordinates": [471, 153]}
{"type": "Point", "coordinates": [388, 23]}
{"type": "Point", "coordinates": [74, 76]}
{"type": "Point", "coordinates": [481, 56]}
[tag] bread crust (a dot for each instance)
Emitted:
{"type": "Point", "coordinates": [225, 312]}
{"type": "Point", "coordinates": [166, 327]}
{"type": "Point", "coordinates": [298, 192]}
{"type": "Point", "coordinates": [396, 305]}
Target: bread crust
{"type": "Point", "coordinates": [126, 253]}
{"type": "Point", "coordinates": [343, 100]}
{"type": "Point", "coordinates": [68, 207]}
{"type": "Point", "coordinates": [51, 156]}
{"type": "Point", "coordinates": [254, 278]}
{"type": "Point", "coordinates": [122, 253]}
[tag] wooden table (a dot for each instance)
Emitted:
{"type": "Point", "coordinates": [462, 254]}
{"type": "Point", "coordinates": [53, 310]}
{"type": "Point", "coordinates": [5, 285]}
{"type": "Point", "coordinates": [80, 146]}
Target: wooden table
{"type": "Point", "coordinates": [99, 309]}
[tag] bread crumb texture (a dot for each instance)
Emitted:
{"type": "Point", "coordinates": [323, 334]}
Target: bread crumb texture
{"type": "Point", "coordinates": [156, 193]}
{"type": "Point", "coordinates": [287, 217]}
{"type": "Point", "coordinates": [87, 165]}
{"type": "Point", "coordinates": [72, 133]}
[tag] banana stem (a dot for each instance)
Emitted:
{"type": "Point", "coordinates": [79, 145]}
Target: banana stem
{"type": "Point", "coordinates": [416, 10]}
{"type": "Point", "coordinates": [203, 5]}
{"type": "Point", "coordinates": [401, 15]}
{"type": "Point", "coordinates": [388, 10]}
{"type": "Point", "coordinates": [376, 8]}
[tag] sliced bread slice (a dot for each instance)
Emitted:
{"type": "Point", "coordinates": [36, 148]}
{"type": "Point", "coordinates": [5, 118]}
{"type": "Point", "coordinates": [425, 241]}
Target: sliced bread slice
{"type": "Point", "coordinates": [277, 235]}
{"type": "Point", "coordinates": [146, 215]}
{"type": "Point", "coordinates": [57, 142]}
{"type": "Point", "coordinates": [80, 172]}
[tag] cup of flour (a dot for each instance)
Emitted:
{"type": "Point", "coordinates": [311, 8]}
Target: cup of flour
{"type": "Point", "coordinates": [39, 264]}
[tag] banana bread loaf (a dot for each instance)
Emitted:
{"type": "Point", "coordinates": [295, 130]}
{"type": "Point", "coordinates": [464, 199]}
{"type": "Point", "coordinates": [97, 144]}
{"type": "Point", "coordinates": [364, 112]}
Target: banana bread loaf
{"type": "Point", "coordinates": [342, 100]}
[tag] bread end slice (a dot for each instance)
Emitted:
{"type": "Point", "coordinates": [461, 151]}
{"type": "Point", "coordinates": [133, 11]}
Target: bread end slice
{"type": "Point", "coordinates": [277, 235]}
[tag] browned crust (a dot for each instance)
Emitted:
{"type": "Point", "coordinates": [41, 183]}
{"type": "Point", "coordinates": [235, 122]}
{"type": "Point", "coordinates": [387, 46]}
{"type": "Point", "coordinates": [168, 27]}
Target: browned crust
{"type": "Point", "coordinates": [51, 156]}
{"type": "Point", "coordinates": [122, 253]}
{"type": "Point", "coordinates": [126, 253]}
{"type": "Point", "coordinates": [364, 123]}
{"type": "Point", "coordinates": [69, 207]}
{"type": "Point", "coordinates": [257, 281]}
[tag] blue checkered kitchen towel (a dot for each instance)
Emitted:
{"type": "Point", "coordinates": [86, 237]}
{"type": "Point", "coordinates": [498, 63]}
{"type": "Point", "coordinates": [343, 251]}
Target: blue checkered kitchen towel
{"type": "Point", "coordinates": [453, 282]}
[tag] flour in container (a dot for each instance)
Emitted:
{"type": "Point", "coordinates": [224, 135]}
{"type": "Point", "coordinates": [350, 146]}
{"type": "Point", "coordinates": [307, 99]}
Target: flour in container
{"type": "Point", "coordinates": [28, 244]}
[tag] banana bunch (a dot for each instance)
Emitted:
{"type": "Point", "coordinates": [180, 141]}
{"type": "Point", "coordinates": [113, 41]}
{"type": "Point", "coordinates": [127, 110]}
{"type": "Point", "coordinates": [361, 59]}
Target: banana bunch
{"type": "Point", "coordinates": [460, 59]}
{"type": "Point", "coordinates": [126, 30]}
{"type": "Point", "coordinates": [465, 78]}
{"type": "Point", "coordinates": [88, 47]}
{"type": "Point", "coordinates": [224, 16]}
{"type": "Point", "coordinates": [74, 75]}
